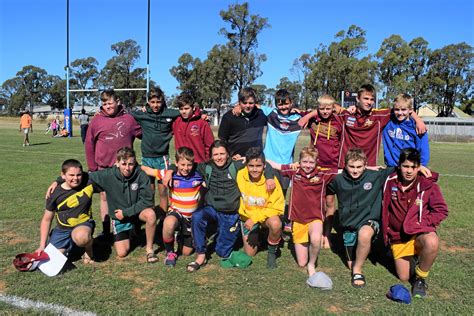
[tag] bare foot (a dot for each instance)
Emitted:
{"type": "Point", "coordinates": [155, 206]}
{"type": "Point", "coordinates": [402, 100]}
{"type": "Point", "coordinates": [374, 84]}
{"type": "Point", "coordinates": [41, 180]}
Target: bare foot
{"type": "Point", "coordinates": [311, 269]}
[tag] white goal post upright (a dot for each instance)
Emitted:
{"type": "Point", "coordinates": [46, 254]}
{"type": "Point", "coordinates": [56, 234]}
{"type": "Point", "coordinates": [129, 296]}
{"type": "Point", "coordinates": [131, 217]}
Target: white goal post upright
{"type": "Point", "coordinates": [68, 110]}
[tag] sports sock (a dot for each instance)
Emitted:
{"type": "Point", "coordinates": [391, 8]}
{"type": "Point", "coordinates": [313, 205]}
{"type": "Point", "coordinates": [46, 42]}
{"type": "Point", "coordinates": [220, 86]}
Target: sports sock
{"type": "Point", "coordinates": [420, 273]}
{"type": "Point", "coordinates": [169, 244]}
{"type": "Point", "coordinates": [272, 253]}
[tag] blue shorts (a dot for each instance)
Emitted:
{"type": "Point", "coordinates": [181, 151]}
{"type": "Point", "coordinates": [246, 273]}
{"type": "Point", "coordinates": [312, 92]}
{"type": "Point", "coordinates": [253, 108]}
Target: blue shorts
{"type": "Point", "coordinates": [350, 238]}
{"type": "Point", "coordinates": [61, 238]}
{"type": "Point", "coordinates": [161, 163]}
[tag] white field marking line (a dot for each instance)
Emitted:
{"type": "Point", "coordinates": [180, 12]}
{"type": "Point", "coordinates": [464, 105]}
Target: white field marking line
{"type": "Point", "coordinates": [25, 303]}
{"type": "Point", "coordinates": [455, 175]}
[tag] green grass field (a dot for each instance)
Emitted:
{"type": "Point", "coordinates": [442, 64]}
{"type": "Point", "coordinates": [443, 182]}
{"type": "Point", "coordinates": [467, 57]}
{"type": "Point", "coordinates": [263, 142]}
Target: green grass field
{"type": "Point", "coordinates": [132, 286]}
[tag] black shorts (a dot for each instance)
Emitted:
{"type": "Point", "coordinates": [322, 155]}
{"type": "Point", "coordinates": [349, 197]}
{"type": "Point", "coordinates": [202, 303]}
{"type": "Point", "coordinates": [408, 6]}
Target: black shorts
{"type": "Point", "coordinates": [185, 236]}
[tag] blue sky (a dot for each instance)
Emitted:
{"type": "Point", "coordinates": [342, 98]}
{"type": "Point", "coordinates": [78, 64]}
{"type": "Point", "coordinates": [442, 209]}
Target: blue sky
{"type": "Point", "coordinates": [33, 32]}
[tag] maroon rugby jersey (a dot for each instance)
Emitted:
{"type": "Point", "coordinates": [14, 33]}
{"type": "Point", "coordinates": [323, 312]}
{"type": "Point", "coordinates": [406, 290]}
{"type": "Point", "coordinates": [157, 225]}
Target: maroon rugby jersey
{"type": "Point", "coordinates": [363, 131]}
{"type": "Point", "coordinates": [326, 138]}
{"type": "Point", "coordinates": [308, 193]}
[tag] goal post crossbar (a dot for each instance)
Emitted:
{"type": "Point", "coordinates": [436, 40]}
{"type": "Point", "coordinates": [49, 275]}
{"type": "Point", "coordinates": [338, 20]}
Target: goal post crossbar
{"type": "Point", "coordinates": [97, 90]}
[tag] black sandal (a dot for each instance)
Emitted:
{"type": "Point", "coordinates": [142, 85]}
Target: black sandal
{"type": "Point", "coordinates": [194, 266]}
{"type": "Point", "coordinates": [151, 257]}
{"type": "Point", "coordinates": [358, 277]}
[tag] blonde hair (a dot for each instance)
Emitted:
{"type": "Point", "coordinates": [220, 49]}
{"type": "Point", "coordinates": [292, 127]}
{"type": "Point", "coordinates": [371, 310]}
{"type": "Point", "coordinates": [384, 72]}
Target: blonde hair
{"type": "Point", "coordinates": [404, 98]}
{"type": "Point", "coordinates": [355, 154]}
{"type": "Point", "coordinates": [309, 151]}
{"type": "Point", "coordinates": [326, 99]}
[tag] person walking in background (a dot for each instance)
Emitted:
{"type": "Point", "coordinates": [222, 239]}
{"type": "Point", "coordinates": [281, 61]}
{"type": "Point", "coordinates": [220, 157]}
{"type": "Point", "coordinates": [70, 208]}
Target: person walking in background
{"type": "Point", "coordinates": [84, 122]}
{"type": "Point", "coordinates": [26, 126]}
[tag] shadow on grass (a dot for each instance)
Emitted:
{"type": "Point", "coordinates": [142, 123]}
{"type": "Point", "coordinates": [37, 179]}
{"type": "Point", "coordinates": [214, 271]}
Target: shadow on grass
{"type": "Point", "coordinates": [39, 144]}
{"type": "Point", "coordinates": [379, 253]}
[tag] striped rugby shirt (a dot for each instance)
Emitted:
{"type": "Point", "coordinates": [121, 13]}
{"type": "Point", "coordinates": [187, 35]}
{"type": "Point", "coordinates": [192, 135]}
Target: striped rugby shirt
{"type": "Point", "coordinates": [185, 192]}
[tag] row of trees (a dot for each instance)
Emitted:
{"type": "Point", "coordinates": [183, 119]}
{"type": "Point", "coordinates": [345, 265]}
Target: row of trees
{"type": "Point", "coordinates": [33, 85]}
{"type": "Point", "coordinates": [443, 76]}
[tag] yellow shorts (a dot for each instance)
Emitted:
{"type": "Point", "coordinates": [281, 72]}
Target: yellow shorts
{"type": "Point", "coordinates": [301, 231]}
{"type": "Point", "coordinates": [404, 249]}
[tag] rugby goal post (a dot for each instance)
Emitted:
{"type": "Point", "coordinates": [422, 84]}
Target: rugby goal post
{"type": "Point", "coordinates": [68, 110]}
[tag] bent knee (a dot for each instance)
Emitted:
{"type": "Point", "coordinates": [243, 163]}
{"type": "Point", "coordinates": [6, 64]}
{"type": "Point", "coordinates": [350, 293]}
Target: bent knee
{"type": "Point", "coordinates": [148, 214]}
{"type": "Point", "coordinates": [122, 254]}
{"type": "Point", "coordinates": [430, 242]}
{"type": "Point", "coordinates": [365, 234]}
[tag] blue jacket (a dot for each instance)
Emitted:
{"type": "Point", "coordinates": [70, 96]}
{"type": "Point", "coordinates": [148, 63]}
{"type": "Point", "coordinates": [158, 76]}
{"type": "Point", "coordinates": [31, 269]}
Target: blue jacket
{"type": "Point", "coordinates": [399, 135]}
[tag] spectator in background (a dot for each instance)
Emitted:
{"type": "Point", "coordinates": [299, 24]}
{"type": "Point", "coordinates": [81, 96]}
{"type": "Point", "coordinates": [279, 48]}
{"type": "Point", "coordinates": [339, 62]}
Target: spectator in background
{"type": "Point", "coordinates": [84, 122]}
{"type": "Point", "coordinates": [26, 126]}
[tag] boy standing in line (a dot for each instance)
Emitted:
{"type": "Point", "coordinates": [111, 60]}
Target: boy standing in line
{"type": "Point", "coordinates": [245, 130]}
{"type": "Point", "coordinates": [108, 131]}
{"type": "Point", "coordinates": [400, 133]}
{"type": "Point", "coordinates": [413, 207]}
{"type": "Point", "coordinates": [326, 129]}
{"type": "Point", "coordinates": [363, 129]}
{"type": "Point", "coordinates": [156, 123]}
{"type": "Point", "coordinates": [190, 130]}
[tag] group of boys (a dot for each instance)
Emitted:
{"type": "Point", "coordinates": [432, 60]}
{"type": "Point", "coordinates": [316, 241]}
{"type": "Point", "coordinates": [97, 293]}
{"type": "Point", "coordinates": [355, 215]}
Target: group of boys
{"type": "Point", "coordinates": [407, 204]}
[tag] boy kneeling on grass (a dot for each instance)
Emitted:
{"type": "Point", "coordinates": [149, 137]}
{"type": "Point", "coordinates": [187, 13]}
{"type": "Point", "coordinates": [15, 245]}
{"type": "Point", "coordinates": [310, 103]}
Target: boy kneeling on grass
{"type": "Point", "coordinates": [258, 207]}
{"type": "Point", "coordinates": [359, 195]}
{"type": "Point", "coordinates": [185, 195]}
{"type": "Point", "coordinates": [413, 207]}
{"type": "Point", "coordinates": [71, 204]}
{"type": "Point", "coordinates": [130, 200]}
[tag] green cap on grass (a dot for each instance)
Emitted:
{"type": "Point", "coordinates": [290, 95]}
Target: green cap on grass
{"type": "Point", "coordinates": [237, 259]}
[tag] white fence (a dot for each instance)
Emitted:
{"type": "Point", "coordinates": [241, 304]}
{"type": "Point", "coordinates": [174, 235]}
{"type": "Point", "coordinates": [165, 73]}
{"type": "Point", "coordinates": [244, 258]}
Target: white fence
{"type": "Point", "coordinates": [450, 129]}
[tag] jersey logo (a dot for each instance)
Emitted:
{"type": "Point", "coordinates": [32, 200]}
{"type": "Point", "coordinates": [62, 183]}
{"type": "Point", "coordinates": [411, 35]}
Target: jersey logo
{"type": "Point", "coordinates": [168, 119]}
{"type": "Point", "coordinates": [367, 186]}
{"type": "Point", "coordinates": [351, 121]}
{"type": "Point", "coordinates": [176, 183]}
{"type": "Point", "coordinates": [368, 123]}
{"type": "Point", "coordinates": [134, 186]}
{"type": "Point", "coordinates": [394, 193]}
{"type": "Point", "coordinates": [194, 130]}
{"type": "Point", "coordinates": [314, 179]}
{"type": "Point", "coordinates": [284, 126]}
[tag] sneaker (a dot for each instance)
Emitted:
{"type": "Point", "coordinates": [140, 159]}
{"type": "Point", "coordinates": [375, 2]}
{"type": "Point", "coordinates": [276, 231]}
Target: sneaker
{"type": "Point", "coordinates": [170, 259]}
{"type": "Point", "coordinates": [419, 288]}
{"type": "Point", "coordinates": [271, 260]}
{"type": "Point", "coordinates": [24, 145]}
{"type": "Point", "coordinates": [288, 227]}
